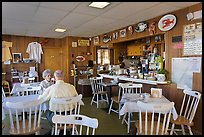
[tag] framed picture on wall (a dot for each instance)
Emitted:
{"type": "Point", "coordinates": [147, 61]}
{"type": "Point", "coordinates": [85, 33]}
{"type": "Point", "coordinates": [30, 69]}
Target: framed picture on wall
{"type": "Point", "coordinates": [96, 40]}
{"type": "Point", "coordinates": [17, 57]}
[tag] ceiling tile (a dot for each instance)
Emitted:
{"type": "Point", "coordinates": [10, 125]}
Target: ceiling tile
{"type": "Point", "coordinates": [73, 20]}
{"type": "Point", "coordinates": [18, 11]}
{"type": "Point", "coordinates": [66, 6]}
{"type": "Point", "coordinates": [121, 12]}
{"type": "Point", "coordinates": [181, 4]}
{"type": "Point", "coordinates": [51, 16]}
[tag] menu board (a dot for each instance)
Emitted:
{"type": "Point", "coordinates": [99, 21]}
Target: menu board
{"type": "Point", "coordinates": [192, 39]}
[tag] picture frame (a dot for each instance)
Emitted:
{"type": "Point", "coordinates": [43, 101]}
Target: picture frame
{"type": "Point", "coordinates": [96, 40]}
{"type": "Point", "coordinates": [17, 57]}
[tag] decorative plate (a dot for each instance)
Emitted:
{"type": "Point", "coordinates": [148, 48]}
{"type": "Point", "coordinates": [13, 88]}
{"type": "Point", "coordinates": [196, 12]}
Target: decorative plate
{"type": "Point", "coordinates": [80, 58]}
{"type": "Point", "coordinates": [167, 22]}
{"type": "Point", "coordinates": [140, 27]}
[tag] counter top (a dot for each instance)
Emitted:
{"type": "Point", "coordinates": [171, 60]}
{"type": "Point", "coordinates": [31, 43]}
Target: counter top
{"type": "Point", "coordinates": [132, 79]}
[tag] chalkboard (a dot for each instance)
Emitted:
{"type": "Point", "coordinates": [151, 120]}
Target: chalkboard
{"type": "Point", "coordinates": [182, 71]}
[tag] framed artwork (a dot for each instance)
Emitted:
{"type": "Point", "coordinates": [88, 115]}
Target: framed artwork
{"type": "Point", "coordinates": [123, 33]}
{"type": "Point", "coordinates": [17, 57]}
{"type": "Point", "coordinates": [96, 40]}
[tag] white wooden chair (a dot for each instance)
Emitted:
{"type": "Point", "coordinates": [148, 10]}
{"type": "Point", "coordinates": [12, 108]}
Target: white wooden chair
{"type": "Point", "coordinates": [98, 90]}
{"type": "Point", "coordinates": [29, 121]}
{"type": "Point", "coordinates": [26, 91]}
{"type": "Point", "coordinates": [3, 93]}
{"type": "Point", "coordinates": [129, 88]}
{"type": "Point", "coordinates": [6, 86]}
{"type": "Point", "coordinates": [123, 88]}
{"type": "Point", "coordinates": [153, 118]}
{"type": "Point", "coordinates": [79, 122]}
{"type": "Point", "coordinates": [68, 106]}
{"type": "Point", "coordinates": [187, 112]}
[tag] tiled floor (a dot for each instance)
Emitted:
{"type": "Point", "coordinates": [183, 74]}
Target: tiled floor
{"type": "Point", "coordinates": [109, 124]}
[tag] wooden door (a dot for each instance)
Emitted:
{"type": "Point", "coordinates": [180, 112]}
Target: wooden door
{"type": "Point", "coordinates": [53, 58]}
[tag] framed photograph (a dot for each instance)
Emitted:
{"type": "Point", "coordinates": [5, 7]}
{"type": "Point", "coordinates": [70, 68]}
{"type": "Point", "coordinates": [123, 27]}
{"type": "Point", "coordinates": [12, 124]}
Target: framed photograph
{"type": "Point", "coordinates": [17, 57]}
{"type": "Point", "coordinates": [96, 40]}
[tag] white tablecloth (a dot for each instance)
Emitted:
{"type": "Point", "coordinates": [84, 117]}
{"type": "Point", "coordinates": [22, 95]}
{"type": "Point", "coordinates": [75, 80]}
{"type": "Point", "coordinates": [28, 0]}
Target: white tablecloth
{"type": "Point", "coordinates": [21, 99]}
{"type": "Point", "coordinates": [26, 87]}
{"type": "Point", "coordinates": [130, 103]}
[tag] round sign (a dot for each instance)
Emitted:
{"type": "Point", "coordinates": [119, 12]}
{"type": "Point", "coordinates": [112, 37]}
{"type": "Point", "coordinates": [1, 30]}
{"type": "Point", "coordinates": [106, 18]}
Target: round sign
{"type": "Point", "coordinates": [167, 22]}
{"type": "Point", "coordinates": [80, 58]}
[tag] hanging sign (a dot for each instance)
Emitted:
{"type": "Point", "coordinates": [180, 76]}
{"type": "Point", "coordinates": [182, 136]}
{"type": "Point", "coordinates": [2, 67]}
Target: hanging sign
{"type": "Point", "coordinates": [83, 43]}
{"type": "Point", "coordinates": [80, 58]}
{"type": "Point", "coordinates": [167, 22]}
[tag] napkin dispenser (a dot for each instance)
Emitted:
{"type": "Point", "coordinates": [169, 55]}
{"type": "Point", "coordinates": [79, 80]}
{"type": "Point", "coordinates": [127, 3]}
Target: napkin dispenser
{"type": "Point", "coordinates": [156, 92]}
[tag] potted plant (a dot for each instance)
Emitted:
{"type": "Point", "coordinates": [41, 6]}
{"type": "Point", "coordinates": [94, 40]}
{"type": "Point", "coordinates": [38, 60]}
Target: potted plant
{"type": "Point", "coordinates": [162, 75]}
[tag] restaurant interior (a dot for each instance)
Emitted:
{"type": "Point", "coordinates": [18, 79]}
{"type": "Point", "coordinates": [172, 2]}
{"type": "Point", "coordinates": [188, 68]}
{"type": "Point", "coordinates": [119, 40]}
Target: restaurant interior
{"type": "Point", "coordinates": [136, 68]}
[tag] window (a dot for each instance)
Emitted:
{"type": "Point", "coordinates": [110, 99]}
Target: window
{"type": "Point", "coordinates": [103, 56]}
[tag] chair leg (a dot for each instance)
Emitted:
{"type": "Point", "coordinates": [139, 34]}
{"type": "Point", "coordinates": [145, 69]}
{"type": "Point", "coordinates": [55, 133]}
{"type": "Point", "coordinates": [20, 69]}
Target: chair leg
{"type": "Point", "coordinates": [172, 129]}
{"type": "Point", "coordinates": [97, 100]}
{"type": "Point", "coordinates": [107, 99]}
{"type": "Point", "coordinates": [92, 99]}
{"type": "Point", "coordinates": [124, 118]}
{"type": "Point", "coordinates": [183, 130]}
{"type": "Point", "coordinates": [53, 129]}
{"type": "Point", "coordinates": [110, 107]}
{"type": "Point", "coordinates": [128, 123]}
{"type": "Point", "coordinates": [119, 111]}
{"type": "Point", "coordinates": [189, 128]}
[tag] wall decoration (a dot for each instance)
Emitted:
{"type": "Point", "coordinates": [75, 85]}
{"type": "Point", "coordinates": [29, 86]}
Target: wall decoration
{"type": "Point", "coordinates": [17, 57]}
{"type": "Point", "coordinates": [106, 38]}
{"type": "Point", "coordinates": [123, 33]}
{"type": "Point", "coordinates": [130, 30]}
{"type": "Point", "coordinates": [152, 28]}
{"type": "Point", "coordinates": [83, 42]}
{"type": "Point", "coordinates": [96, 40]}
{"type": "Point", "coordinates": [192, 37]}
{"type": "Point", "coordinates": [74, 44]}
{"type": "Point", "coordinates": [115, 35]}
{"type": "Point", "coordinates": [167, 22]}
{"type": "Point", "coordinates": [140, 27]}
{"type": "Point", "coordinates": [80, 58]}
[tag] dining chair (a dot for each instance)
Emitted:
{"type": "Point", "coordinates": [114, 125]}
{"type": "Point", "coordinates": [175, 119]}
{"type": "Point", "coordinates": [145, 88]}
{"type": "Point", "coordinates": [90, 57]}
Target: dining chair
{"type": "Point", "coordinates": [82, 125]}
{"type": "Point", "coordinates": [29, 121]}
{"type": "Point", "coordinates": [65, 106]}
{"type": "Point", "coordinates": [153, 118]}
{"type": "Point", "coordinates": [129, 88]}
{"type": "Point", "coordinates": [6, 86]}
{"type": "Point", "coordinates": [98, 90]}
{"type": "Point", "coordinates": [187, 112]}
{"type": "Point", "coordinates": [3, 93]}
{"type": "Point", "coordinates": [25, 91]}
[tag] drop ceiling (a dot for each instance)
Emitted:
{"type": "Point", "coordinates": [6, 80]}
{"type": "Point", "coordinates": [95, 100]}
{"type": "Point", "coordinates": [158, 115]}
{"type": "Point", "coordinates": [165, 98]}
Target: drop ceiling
{"type": "Point", "coordinates": [39, 19]}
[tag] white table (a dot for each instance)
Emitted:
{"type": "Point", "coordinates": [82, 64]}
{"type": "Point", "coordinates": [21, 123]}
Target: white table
{"type": "Point", "coordinates": [25, 87]}
{"type": "Point", "coordinates": [21, 99]}
{"type": "Point", "coordinates": [129, 102]}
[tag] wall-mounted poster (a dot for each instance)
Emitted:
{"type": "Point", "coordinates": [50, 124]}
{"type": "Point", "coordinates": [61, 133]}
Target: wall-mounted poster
{"type": "Point", "coordinates": [74, 44]}
{"type": "Point", "coordinates": [192, 36]}
{"type": "Point", "coordinates": [17, 57]}
{"type": "Point", "coordinates": [123, 33]}
{"type": "Point", "coordinates": [83, 42]}
{"type": "Point", "coordinates": [96, 40]}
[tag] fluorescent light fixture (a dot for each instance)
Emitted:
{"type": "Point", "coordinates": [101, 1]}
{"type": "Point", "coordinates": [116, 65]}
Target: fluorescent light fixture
{"type": "Point", "coordinates": [60, 30]}
{"type": "Point", "coordinates": [99, 5]}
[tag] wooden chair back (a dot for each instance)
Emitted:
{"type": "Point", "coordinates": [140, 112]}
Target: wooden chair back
{"type": "Point", "coordinates": [96, 88]}
{"type": "Point", "coordinates": [29, 120]}
{"type": "Point", "coordinates": [81, 124]}
{"type": "Point", "coordinates": [156, 118]}
{"type": "Point", "coordinates": [189, 105]}
{"type": "Point", "coordinates": [6, 86]}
